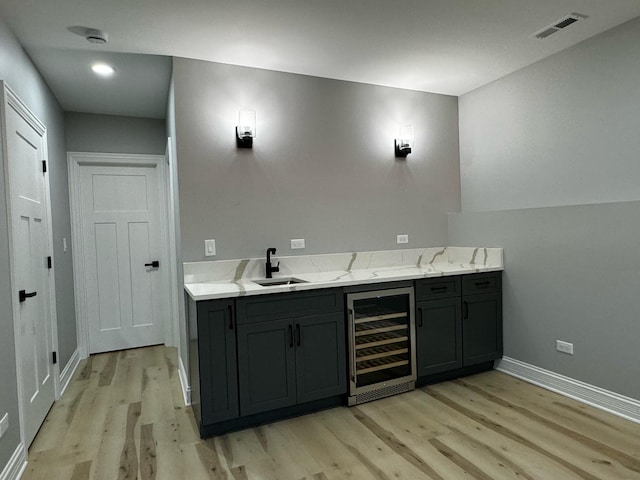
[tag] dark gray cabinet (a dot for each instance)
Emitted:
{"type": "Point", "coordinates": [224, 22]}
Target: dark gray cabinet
{"type": "Point", "coordinates": [212, 359]}
{"type": "Point", "coordinates": [438, 336]}
{"type": "Point", "coordinates": [266, 364]}
{"type": "Point", "coordinates": [481, 318]}
{"type": "Point", "coordinates": [291, 349]}
{"type": "Point", "coordinates": [458, 322]}
{"type": "Point", "coordinates": [438, 325]}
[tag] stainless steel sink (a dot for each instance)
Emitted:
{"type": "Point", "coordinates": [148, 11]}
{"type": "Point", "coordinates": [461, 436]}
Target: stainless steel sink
{"type": "Point", "coordinates": [270, 282]}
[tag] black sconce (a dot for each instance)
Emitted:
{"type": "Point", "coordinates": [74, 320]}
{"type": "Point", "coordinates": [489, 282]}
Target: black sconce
{"type": "Point", "coordinates": [404, 142]}
{"type": "Point", "coordinates": [246, 129]}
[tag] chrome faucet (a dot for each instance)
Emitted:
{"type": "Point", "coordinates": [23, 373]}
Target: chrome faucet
{"type": "Point", "coordinates": [269, 268]}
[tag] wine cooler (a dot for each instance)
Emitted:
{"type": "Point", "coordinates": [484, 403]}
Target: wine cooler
{"type": "Point", "coordinates": [382, 356]}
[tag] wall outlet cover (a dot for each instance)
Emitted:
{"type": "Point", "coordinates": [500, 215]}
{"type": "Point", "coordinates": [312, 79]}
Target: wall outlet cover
{"type": "Point", "coordinates": [402, 239]}
{"type": "Point", "coordinates": [564, 347]}
{"type": "Point", "coordinates": [209, 248]}
{"type": "Point", "coordinates": [297, 243]}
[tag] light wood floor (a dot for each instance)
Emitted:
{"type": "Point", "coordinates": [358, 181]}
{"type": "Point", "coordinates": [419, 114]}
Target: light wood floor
{"type": "Point", "coordinates": [123, 417]}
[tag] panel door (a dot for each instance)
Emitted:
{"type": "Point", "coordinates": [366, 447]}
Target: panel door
{"type": "Point", "coordinates": [30, 241]}
{"type": "Point", "coordinates": [266, 366]}
{"type": "Point", "coordinates": [127, 297]}
{"type": "Point", "coordinates": [482, 328]}
{"type": "Point", "coordinates": [320, 357]}
{"type": "Point", "coordinates": [217, 361]}
{"type": "Point", "coordinates": [438, 336]}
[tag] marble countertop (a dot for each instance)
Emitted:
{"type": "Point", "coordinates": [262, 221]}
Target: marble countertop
{"type": "Point", "coordinates": [234, 278]}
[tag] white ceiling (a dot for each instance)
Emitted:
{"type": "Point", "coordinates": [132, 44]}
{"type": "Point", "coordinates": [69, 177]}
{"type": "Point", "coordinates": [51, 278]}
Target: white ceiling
{"type": "Point", "coordinates": [441, 46]}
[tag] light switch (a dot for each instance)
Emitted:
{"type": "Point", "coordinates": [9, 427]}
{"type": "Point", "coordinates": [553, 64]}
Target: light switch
{"type": "Point", "coordinates": [64, 244]}
{"type": "Point", "coordinates": [209, 248]}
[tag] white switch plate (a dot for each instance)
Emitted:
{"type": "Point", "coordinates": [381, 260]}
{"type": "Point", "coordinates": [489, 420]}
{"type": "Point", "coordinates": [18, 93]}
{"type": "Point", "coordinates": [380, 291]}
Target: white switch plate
{"type": "Point", "coordinates": [209, 248]}
{"type": "Point", "coordinates": [4, 424]}
{"type": "Point", "coordinates": [297, 243]}
{"type": "Point", "coordinates": [564, 347]}
{"type": "Point", "coordinates": [402, 239]}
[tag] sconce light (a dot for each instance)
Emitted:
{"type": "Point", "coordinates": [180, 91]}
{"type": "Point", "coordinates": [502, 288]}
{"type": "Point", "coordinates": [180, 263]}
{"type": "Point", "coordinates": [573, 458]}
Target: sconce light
{"type": "Point", "coordinates": [246, 129]}
{"type": "Point", "coordinates": [404, 142]}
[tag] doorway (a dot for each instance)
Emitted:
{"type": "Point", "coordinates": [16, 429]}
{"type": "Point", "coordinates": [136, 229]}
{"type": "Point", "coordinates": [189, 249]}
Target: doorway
{"type": "Point", "coordinates": [31, 273]}
{"type": "Point", "coordinates": [121, 262]}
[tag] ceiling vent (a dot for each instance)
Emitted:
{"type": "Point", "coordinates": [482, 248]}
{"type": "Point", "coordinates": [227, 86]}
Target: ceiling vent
{"type": "Point", "coordinates": [92, 35]}
{"type": "Point", "coordinates": [558, 25]}
{"type": "Point", "coordinates": [95, 36]}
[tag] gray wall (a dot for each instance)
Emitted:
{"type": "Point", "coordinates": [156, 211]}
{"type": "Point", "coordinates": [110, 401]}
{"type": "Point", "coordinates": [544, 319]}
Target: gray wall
{"type": "Point", "coordinates": [322, 167]}
{"type": "Point", "coordinates": [557, 134]}
{"type": "Point", "coordinates": [563, 131]}
{"type": "Point", "coordinates": [88, 132]}
{"type": "Point", "coordinates": [19, 73]}
{"type": "Point", "coordinates": [572, 273]}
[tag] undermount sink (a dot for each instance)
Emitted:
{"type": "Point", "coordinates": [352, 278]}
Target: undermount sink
{"type": "Point", "coordinates": [270, 282]}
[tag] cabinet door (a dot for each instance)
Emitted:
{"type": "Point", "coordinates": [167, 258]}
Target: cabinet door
{"type": "Point", "coordinates": [217, 361]}
{"type": "Point", "coordinates": [482, 328]}
{"type": "Point", "coordinates": [438, 336]}
{"type": "Point", "coordinates": [266, 366]}
{"type": "Point", "coordinates": [320, 357]}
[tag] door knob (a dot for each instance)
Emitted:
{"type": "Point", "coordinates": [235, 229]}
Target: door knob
{"type": "Point", "coordinates": [23, 295]}
{"type": "Point", "coordinates": [154, 264]}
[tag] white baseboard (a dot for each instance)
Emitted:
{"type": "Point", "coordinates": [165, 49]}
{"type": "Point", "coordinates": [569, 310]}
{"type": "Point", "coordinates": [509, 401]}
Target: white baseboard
{"type": "Point", "coordinates": [69, 370]}
{"type": "Point", "coordinates": [14, 469]}
{"type": "Point", "coordinates": [611, 402]}
{"type": "Point", "coordinates": [184, 381]}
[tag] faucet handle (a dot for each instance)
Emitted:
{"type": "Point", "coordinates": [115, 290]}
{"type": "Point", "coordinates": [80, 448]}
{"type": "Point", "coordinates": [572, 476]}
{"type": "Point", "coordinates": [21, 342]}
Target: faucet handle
{"type": "Point", "coordinates": [276, 268]}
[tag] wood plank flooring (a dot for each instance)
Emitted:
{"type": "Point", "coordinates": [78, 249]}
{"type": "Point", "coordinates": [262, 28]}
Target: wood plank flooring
{"type": "Point", "coordinates": [123, 417]}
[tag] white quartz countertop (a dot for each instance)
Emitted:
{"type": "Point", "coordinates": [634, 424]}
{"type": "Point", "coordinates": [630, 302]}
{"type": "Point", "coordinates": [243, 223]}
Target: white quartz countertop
{"type": "Point", "coordinates": [234, 278]}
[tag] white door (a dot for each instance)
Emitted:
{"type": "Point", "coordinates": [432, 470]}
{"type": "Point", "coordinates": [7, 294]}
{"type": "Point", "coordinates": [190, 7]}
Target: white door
{"type": "Point", "coordinates": [127, 298]}
{"type": "Point", "coordinates": [30, 236]}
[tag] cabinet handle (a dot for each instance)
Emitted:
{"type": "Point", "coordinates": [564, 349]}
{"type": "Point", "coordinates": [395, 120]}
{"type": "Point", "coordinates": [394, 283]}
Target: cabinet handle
{"type": "Point", "coordinates": [438, 289]}
{"type": "Point", "coordinates": [484, 284]}
{"type": "Point", "coordinates": [465, 310]}
{"type": "Point", "coordinates": [420, 317]}
{"type": "Point", "coordinates": [154, 264]}
{"type": "Point", "coordinates": [230, 317]}
{"type": "Point", "coordinates": [298, 335]}
{"type": "Point", "coordinates": [352, 363]}
{"type": "Point", "coordinates": [290, 336]}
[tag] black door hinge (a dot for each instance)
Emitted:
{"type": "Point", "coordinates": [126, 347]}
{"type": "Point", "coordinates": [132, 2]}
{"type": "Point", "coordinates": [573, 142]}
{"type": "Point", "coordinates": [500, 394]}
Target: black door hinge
{"type": "Point", "coordinates": [44, 166]}
{"type": "Point", "coordinates": [55, 357]}
{"type": "Point", "coordinates": [49, 263]}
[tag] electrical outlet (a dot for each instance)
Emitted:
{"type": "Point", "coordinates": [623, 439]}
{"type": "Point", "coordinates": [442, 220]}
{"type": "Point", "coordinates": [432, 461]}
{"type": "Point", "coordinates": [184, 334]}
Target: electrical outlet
{"type": "Point", "coordinates": [4, 424]}
{"type": "Point", "coordinates": [209, 248]}
{"type": "Point", "coordinates": [564, 347]}
{"type": "Point", "coordinates": [402, 239]}
{"type": "Point", "coordinates": [297, 243]}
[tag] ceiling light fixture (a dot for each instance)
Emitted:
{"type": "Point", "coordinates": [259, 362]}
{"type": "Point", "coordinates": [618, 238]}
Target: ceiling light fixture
{"type": "Point", "coordinates": [103, 69]}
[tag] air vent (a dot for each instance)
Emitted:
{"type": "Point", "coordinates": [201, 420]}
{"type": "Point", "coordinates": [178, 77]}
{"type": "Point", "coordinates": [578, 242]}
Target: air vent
{"type": "Point", "coordinates": [558, 25]}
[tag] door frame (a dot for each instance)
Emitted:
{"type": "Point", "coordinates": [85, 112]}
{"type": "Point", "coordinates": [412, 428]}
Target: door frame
{"type": "Point", "coordinates": [76, 160]}
{"type": "Point", "coordinates": [9, 99]}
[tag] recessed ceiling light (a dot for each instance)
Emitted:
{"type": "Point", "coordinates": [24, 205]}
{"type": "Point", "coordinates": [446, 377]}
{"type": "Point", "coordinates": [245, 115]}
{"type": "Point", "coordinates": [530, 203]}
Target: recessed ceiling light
{"type": "Point", "coordinates": [103, 69]}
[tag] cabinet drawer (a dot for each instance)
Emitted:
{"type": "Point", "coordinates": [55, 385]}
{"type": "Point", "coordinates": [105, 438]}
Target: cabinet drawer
{"type": "Point", "coordinates": [433, 288]}
{"type": "Point", "coordinates": [262, 308]}
{"type": "Point", "coordinates": [481, 283]}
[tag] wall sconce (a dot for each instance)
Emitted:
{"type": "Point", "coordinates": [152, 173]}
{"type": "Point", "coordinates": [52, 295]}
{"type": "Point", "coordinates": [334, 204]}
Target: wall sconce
{"type": "Point", "coordinates": [246, 129]}
{"type": "Point", "coordinates": [404, 142]}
